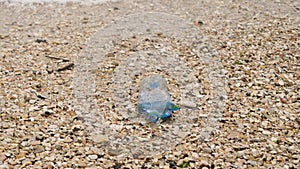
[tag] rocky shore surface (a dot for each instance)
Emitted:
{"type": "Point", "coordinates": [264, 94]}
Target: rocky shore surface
{"type": "Point", "coordinates": [254, 43]}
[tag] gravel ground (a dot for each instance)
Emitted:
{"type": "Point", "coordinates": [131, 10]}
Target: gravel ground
{"type": "Point", "coordinates": [254, 43]}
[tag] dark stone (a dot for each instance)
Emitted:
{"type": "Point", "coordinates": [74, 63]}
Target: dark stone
{"type": "Point", "coordinates": [117, 166]}
{"type": "Point", "coordinates": [200, 23]}
{"type": "Point", "coordinates": [41, 40]}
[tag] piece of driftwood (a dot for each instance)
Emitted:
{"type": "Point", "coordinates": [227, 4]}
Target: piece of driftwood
{"type": "Point", "coordinates": [58, 58]}
{"type": "Point", "coordinates": [67, 67]}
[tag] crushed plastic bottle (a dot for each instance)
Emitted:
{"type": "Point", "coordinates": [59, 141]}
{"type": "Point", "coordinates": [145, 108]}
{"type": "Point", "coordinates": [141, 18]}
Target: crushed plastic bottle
{"type": "Point", "coordinates": [154, 99]}
{"type": "Point", "coordinates": [135, 29]}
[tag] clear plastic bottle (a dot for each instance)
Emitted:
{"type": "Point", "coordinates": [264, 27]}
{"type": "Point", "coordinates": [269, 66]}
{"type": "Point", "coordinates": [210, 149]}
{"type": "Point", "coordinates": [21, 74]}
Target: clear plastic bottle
{"type": "Point", "coordinates": [154, 99]}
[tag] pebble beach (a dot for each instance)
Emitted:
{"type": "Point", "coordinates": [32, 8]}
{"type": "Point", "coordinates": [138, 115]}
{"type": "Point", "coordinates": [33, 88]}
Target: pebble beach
{"type": "Point", "coordinates": [252, 45]}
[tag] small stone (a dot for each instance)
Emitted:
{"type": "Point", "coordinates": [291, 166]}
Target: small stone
{"type": "Point", "coordinates": [266, 132]}
{"type": "Point", "coordinates": [166, 167]}
{"type": "Point", "coordinates": [48, 166]}
{"type": "Point", "coordinates": [53, 127]}
{"type": "Point", "coordinates": [34, 143]}
{"type": "Point", "coordinates": [2, 157]}
{"type": "Point", "coordinates": [68, 140]}
{"type": "Point", "coordinates": [99, 138]}
{"type": "Point", "coordinates": [180, 161]}
{"type": "Point", "coordinates": [21, 155]}
{"type": "Point", "coordinates": [50, 158]}
{"type": "Point", "coordinates": [290, 140]}
{"type": "Point", "coordinates": [204, 163]}
{"type": "Point", "coordinates": [177, 153]}
{"type": "Point", "coordinates": [203, 115]}
{"type": "Point", "coordinates": [95, 150]}
{"type": "Point", "coordinates": [207, 150]}
{"type": "Point", "coordinates": [274, 139]}
{"type": "Point", "coordinates": [240, 154]}
{"type": "Point", "coordinates": [253, 163]}
{"type": "Point", "coordinates": [39, 135]}
{"type": "Point", "coordinates": [170, 157]}
{"type": "Point", "coordinates": [3, 166]}
{"type": "Point", "coordinates": [26, 163]}
{"type": "Point", "coordinates": [264, 124]}
{"type": "Point", "coordinates": [195, 155]}
{"type": "Point", "coordinates": [82, 164]}
{"type": "Point", "coordinates": [188, 104]}
{"type": "Point", "coordinates": [32, 101]}
{"type": "Point", "coordinates": [182, 134]}
{"type": "Point", "coordinates": [2, 36]}
{"type": "Point", "coordinates": [38, 149]}
{"type": "Point", "coordinates": [281, 82]}
{"type": "Point", "coordinates": [5, 125]}
{"type": "Point", "coordinates": [60, 82]}
{"type": "Point", "coordinates": [93, 157]}
{"type": "Point", "coordinates": [47, 146]}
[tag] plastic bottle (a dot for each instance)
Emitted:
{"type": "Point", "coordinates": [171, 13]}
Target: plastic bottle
{"type": "Point", "coordinates": [154, 99]}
